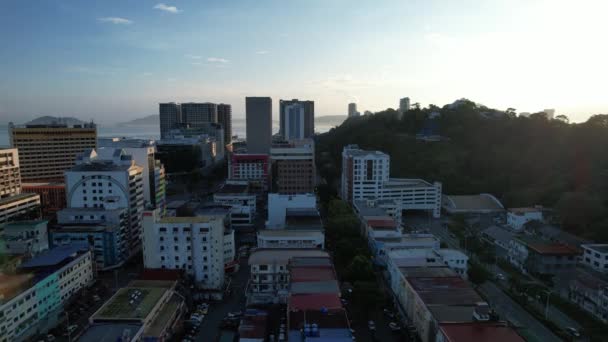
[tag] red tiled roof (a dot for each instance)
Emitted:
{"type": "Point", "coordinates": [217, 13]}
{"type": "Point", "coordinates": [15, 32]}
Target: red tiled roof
{"type": "Point", "coordinates": [553, 249]}
{"type": "Point", "coordinates": [479, 332]}
{"type": "Point", "coordinates": [316, 301]}
{"type": "Point", "coordinates": [378, 223]}
{"type": "Point", "coordinates": [306, 274]}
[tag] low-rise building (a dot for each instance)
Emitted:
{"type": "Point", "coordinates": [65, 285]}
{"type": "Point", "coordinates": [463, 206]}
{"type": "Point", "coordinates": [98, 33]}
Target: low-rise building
{"type": "Point", "coordinates": [472, 204]}
{"type": "Point", "coordinates": [40, 288]}
{"type": "Point", "coordinates": [269, 281]}
{"type": "Point", "coordinates": [279, 204]}
{"type": "Point", "coordinates": [589, 290]}
{"type": "Point", "coordinates": [144, 310]}
{"type": "Point", "coordinates": [254, 168]}
{"type": "Point", "coordinates": [21, 206]}
{"type": "Point", "coordinates": [194, 244]}
{"type": "Point", "coordinates": [478, 332]}
{"type": "Point", "coordinates": [421, 257]}
{"type": "Point", "coordinates": [253, 326]}
{"type": "Point", "coordinates": [518, 217]}
{"type": "Point", "coordinates": [242, 203]}
{"type": "Point", "coordinates": [372, 207]}
{"type": "Point", "coordinates": [533, 255]}
{"type": "Point", "coordinates": [595, 256]}
{"type": "Point", "coordinates": [383, 246]}
{"type": "Point", "coordinates": [24, 237]}
{"type": "Point", "coordinates": [290, 238]}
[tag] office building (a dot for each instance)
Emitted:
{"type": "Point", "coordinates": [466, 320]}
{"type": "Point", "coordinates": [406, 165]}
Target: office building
{"type": "Point", "coordinates": [404, 105]}
{"type": "Point", "coordinates": [352, 110]}
{"type": "Point", "coordinates": [194, 244]}
{"type": "Point", "coordinates": [35, 294]}
{"type": "Point", "coordinates": [293, 166]}
{"type": "Point", "coordinates": [297, 119]}
{"type": "Point", "coordinates": [365, 175]}
{"type": "Point", "coordinates": [170, 117]}
{"type": "Point", "coordinates": [143, 153]}
{"type": "Point", "coordinates": [104, 230]}
{"type": "Point", "coordinates": [196, 115]}
{"type": "Point", "coordinates": [47, 148]}
{"type": "Point", "coordinates": [13, 203]}
{"type": "Point", "coordinates": [259, 124]}
{"type": "Point", "coordinates": [144, 310]}
{"type": "Point", "coordinates": [253, 168]}
{"type": "Point", "coordinates": [24, 237]}
{"type": "Point", "coordinates": [108, 179]}
{"type": "Point", "coordinates": [224, 118]}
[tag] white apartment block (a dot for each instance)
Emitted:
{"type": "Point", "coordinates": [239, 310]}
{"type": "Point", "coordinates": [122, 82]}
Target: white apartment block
{"type": "Point", "coordinates": [278, 205]}
{"type": "Point", "coordinates": [13, 203]}
{"type": "Point", "coordinates": [10, 177]}
{"type": "Point", "coordinates": [289, 238]}
{"type": "Point", "coordinates": [366, 175]}
{"type": "Point", "coordinates": [454, 259]}
{"type": "Point", "coordinates": [428, 257]}
{"type": "Point", "coordinates": [596, 256]}
{"type": "Point", "coordinates": [108, 178]}
{"type": "Point", "coordinates": [25, 237]}
{"type": "Point", "coordinates": [47, 282]}
{"type": "Point", "coordinates": [143, 153]}
{"type": "Point", "coordinates": [518, 217]}
{"type": "Point", "coordinates": [193, 244]}
{"type": "Point", "coordinates": [242, 203]}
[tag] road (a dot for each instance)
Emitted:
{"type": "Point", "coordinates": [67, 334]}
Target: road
{"type": "Point", "coordinates": [513, 312]}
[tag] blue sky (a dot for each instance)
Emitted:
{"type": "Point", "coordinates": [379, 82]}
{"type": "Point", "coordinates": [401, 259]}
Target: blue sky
{"type": "Point", "coordinates": [113, 60]}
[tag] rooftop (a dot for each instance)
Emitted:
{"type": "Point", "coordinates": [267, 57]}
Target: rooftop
{"type": "Point", "coordinates": [310, 274]}
{"type": "Point", "coordinates": [382, 223]}
{"type": "Point", "coordinates": [547, 247]}
{"type": "Point", "coordinates": [479, 332]}
{"type": "Point", "coordinates": [418, 272]}
{"type": "Point", "coordinates": [444, 291]}
{"type": "Point", "coordinates": [499, 234]}
{"type": "Point", "coordinates": [472, 203]}
{"type": "Point", "coordinates": [282, 256]}
{"type": "Point", "coordinates": [233, 189]}
{"type": "Point", "coordinates": [556, 234]}
{"type": "Point", "coordinates": [304, 218]}
{"type": "Point", "coordinates": [327, 286]}
{"type": "Point", "coordinates": [407, 182]}
{"type": "Point", "coordinates": [315, 262]}
{"type": "Point", "coordinates": [521, 211]}
{"type": "Point", "coordinates": [19, 197]}
{"type": "Point", "coordinates": [286, 232]}
{"type": "Point", "coordinates": [100, 166]}
{"type": "Point", "coordinates": [54, 256]}
{"type": "Point", "coordinates": [325, 319]}
{"type": "Point", "coordinates": [24, 224]}
{"type": "Point", "coordinates": [190, 219]}
{"type": "Point", "coordinates": [315, 301]}
{"type": "Point", "coordinates": [600, 248]}
{"type": "Point", "coordinates": [364, 209]}
{"type": "Point", "coordinates": [128, 305]}
{"type": "Point", "coordinates": [253, 325]}
{"type": "Point", "coordinates": [176, 204]}
{"type": "Point", "coordinates": [109, 332]}
{"type": "Point", "coordinates": [164, 317]}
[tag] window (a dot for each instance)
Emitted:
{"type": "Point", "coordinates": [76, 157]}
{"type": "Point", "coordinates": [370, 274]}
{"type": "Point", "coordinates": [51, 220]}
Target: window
{"type": "Point", "coordinates": [263, 267]}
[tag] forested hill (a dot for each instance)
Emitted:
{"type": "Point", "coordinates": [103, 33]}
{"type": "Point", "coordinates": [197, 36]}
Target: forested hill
{"type": "Point", "coordinates": [522, 160]}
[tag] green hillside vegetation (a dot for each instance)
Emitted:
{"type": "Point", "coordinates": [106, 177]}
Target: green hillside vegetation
{"type": "Point", "coordinates": [522, 160]}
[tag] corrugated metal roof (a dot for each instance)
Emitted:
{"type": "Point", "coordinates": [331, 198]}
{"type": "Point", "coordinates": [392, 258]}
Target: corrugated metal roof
{"type": "Point", "coordinates": [314, 301]}
{"type": "Point", "coordinates": [54, 256]}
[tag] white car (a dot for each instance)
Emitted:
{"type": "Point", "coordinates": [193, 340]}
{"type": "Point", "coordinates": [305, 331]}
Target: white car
{"type": "Point", "coordinates": [573, 332]}
{"type": "Point", "coordinates": [371, 325]}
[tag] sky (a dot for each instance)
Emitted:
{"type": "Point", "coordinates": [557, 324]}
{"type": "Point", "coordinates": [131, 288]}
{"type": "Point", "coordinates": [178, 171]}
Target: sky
{"type": "Point", "coordinates": [115, 60]}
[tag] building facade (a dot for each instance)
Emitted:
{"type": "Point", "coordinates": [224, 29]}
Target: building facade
{"type": "Point", "coordinates": [518, 217]}
{"type": "Point", "coordinates": [596, 256]}
{"type": "Point", "coordinates": [25, 237]}
{"type": "Point", "coordinates": [404, 105]}
{"type": "Point", "coordinates": [242, 203]}
{"type": "Point", "coordinates": [279, 204]}
{"type": "Point", "coordinates": [253, 168]}
{"type": "Point", "coordinates": [52, 196]}
{"type": "Point", "coordinates": [192, 244]}
{"type": "Point", "coordinates": [10, 176]}
{"type": "Point", "coordinates": [109, 180]}
{"type": "Point", "coordinates": [297, 119]}
{"type": "Point", "coordinates": [196, 115]}
{"type": "Point", "coordinates": [46, 151]}
{"type": "Point", "coordinates": [170, 116]}
{"type": "Point", "coordinates": [224, 117]}
{"type": "Point", "coordinates": [352, 110]}
{"type": "Point", "coordinates": [293, 167]}
{"type": "Point", "coordinates": [259, 124]}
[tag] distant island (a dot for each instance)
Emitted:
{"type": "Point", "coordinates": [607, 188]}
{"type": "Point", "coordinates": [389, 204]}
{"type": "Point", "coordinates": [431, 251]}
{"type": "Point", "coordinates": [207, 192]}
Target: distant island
{"type": "Point", "coordinates": [152, 120]}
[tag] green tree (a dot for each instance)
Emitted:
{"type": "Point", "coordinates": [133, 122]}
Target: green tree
{"type": "Point", "coordinates": [477, 274]}
{"type": "Point", "coordinates": [360, 269]}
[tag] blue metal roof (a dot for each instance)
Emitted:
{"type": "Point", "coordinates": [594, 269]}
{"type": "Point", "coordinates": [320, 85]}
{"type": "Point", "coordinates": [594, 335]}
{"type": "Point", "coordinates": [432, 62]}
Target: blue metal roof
{"type": "Point", "coordinates": [54, 256]}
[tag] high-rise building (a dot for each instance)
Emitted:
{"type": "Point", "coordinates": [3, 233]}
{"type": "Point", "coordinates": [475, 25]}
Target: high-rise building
{"type": "Point", "coordinates": [297, 119]}
{"type": "Point", "coordinates": [196, 115]}
{"type": "Point", "coordinates": [194, 244]}
{"type": "Point", "coordinates": [293, 166]}
{"type": "Point", "coordinates": [259, 124]}
{"type": "Point", "coordinates": [170, 116]}
{"type": "Point", "coordinates": [550, 113]}
{"type": "Point", "coordinates": [47, 148]}
{"type": "Point", "coordinates": [404, 105]}
{"type": "Point", "coordinates": [13, 203]}
{"type": "Point", "coordinates": [224, 117]}
{"type": "Point", "coordinates": [109, 178]}
{"type": "Point", "coordinates": [352, 110]}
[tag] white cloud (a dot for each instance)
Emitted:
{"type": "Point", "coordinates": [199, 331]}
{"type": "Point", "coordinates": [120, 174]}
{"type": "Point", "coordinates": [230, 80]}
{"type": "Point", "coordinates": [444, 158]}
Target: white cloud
{"type": "Point", "coordinates": [192, 56]}
{"type": "Point", "coordinates": [217, 60]}
{"type": "Point", "coordinates": [115, 20]}
{"type": "Point", "coordinates": [167, 8]}
{"type": "Point", "coordinates": [262, 52]}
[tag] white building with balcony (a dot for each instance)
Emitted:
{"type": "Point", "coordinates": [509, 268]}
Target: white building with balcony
{"type": "Point", "coordinates": [596, 256]}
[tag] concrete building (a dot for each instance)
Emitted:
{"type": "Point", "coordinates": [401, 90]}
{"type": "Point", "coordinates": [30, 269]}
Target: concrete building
{"type": "Point", "coordinates": [254, 168]}
{"type": "Point", "coordinates": [352, 110]}
{"type": "Point", "coordinates": [52, 196]}
{"type": "Point", "coordinates": [108, 179]}
{"type": "Point", "coordinates": [589, 290]}
{"type": "Point", "coordinates": [197, 115]}
{"type": "Point", "coordinates": [224, 117]}
{"type": "Point", "coordinates": [194, 244]}
{"type": "Point", "coordinates": [33, 297]}
{"type": "Point", "coordinates": [472, 204]}
{"type": "Point", "coordinates": [290, 238]}
{"type": "Point", "coordinates": [372, 207]}
{"type": "Point", "coordinates": [382, 246]}
{"type": "Point", "coordinates": [183, 154]}
{"type": "Point", "coordinates": [293, 167]}
{"type": "Point", "coordinates": [533, 255]}
{"type": "Point", "coordinates": [10, 176]}
{"type": "Point", "coordinates": [428, 257]}
{"type": "Point", "coordinates": [297, 119]}
{"type": "Point", "coordinates": [259, 124]}
{"type": "Point", "coordinates": [170, 116]}
{"type": "Point", "coordinates": [24, 237]}
{"type": "Point", "coordinates": [48, 148]}
{"type": "Point", "coordinates": [550, 113]}
{"type": "Point", "coordinates": [242, 203]}
{"type": "Point", "coordinates": [518, 217]}
{"type": "Point", "coordinates": [278, 206]}
{"type": "Point", "coordinates": [144, 310]}
{"type": "Point", "coordinates": [365, 175]}
{"type": "Point", "coordinates": [596, 257]}
{"type": "Point", "coordinates": [269, 282]}
{"type": "Point", "coordinates": [143, 153]}
{"type": "Point", "coordinates": [404, 105]}
{"type": "Point", "coordinates": [13, 203]}
{"type": "Point", "coordinates": [104, 230]}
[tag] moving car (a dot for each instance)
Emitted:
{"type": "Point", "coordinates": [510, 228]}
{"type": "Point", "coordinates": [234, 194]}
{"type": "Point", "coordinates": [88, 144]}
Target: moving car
{"type": "Point", "coordinates": [371, 325]}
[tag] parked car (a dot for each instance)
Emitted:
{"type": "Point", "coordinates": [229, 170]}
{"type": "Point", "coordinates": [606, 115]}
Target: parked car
{"type": "Point", "coordinates": [50, 338]}
{"type": "Point", "coordinates": [371, 325]}
{"type": "Point", "coordinates": [235, 314]}
{"type": "Point", "coordinates": [500, 276]}
{"type": "Point", "coordinates": [573, 332]}
{"type": "Point", "coordinates": [70, 329]}
{"type": "Point", "coordinates": [394, 326]}
{"type": "Point", "coordinates": [388, 313]}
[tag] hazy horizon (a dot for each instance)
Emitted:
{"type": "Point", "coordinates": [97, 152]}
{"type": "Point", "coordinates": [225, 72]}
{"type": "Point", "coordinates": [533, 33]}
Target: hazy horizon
{"type": "Point", "coordinates": [109, 59]}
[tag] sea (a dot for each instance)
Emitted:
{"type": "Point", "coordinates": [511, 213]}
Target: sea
{"type": "Point", "coordinates": [151, 132]}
